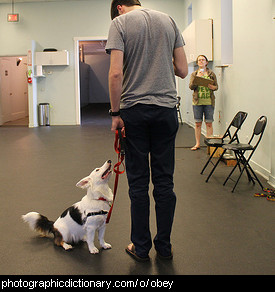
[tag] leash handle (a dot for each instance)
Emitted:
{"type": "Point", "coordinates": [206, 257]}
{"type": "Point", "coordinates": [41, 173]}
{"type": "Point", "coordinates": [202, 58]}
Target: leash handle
{"type": "Point", "coordinates": [120, 142]}
{"type": "Point", "coordinates": [120, 150]}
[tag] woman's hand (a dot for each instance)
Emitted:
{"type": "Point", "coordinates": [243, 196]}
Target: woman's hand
{"type": "Point", "coordinates": [212, 87]}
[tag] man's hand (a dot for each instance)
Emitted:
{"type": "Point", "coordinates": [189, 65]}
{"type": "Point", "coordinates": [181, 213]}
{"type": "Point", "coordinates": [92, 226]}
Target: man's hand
{"type": "Point", "coordinates": [117, 122]}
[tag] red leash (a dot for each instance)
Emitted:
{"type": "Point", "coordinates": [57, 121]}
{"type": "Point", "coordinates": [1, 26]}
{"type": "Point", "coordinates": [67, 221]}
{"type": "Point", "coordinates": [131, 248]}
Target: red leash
{"type": "Point", "coordinates": [120, 150]}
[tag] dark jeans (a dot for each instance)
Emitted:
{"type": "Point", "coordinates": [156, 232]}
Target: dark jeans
{"type": "Point", "coordinates": [150, 143]}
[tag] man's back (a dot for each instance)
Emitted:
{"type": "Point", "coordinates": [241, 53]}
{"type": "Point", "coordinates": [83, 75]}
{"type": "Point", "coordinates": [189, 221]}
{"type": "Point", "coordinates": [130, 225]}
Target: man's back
{"type": "Point", "coordinates": [148, 39]}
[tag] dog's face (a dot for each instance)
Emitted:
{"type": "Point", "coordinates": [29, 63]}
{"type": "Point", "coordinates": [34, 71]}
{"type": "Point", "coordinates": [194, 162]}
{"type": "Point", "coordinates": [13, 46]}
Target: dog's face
{"type": "Point", "coordinates": [97, 177]}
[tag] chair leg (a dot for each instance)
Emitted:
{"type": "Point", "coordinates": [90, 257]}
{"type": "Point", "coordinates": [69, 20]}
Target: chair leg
{"type": "Point", "coordinates": [180, 118]}
{"type": "Point", "coordinates": [249, 175]}
{"type": "Point", "coordinates": [255, 176]}
{"type": "Point", "coordinates": [238, 179]}
{"type": "Point", "coordinates": [246, 166]}
{"type": "Point", "coordinates": [244, 162]}
{"type": "Point", "coordinates": [213, 169]}
{"type": "Point", "coordinates": [209, 159]}
{"type": "Point", "coordinates": [231, 172]}
{"type": "Point", "coordinates": [179, 114]}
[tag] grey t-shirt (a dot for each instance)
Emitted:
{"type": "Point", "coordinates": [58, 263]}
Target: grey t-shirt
{"type": "Point", "coordinates": [148, 39]}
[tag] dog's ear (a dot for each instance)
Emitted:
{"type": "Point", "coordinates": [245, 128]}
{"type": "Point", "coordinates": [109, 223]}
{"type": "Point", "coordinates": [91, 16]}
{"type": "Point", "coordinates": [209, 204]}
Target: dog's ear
{"type": "Point", "coordinates": [84, 183]}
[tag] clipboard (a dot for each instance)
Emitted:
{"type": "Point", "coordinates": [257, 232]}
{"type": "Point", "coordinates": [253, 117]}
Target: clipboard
{"type": "Point", "coordinates": [200, 81]}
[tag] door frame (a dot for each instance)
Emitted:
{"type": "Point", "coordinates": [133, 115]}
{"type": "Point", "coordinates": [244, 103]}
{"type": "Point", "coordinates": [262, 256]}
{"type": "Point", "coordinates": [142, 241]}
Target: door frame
{"type": "Point", "coordinates": [76, 66]}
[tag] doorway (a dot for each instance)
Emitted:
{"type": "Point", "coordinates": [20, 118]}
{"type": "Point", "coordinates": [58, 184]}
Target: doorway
{"type": "Point", "coordinates": [13, 91]}
{"type": "Point", "coordinates": [92, 67]}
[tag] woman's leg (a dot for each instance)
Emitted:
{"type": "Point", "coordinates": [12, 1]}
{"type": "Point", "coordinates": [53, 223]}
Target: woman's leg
{"type": "Point", "coordinates": [198, 115]}
{"type": "Point", "coordinates": [209, 113]}
{"type": "Point", "coordinates": [209, 129]}
{"type": "Point", "coordinates": [197, 135]}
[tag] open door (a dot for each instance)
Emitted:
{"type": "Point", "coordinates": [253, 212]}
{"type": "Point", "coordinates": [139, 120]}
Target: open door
{"type": "Point", "coordinates": [13, 91]}
{"type": "Point", "coordinates": [5, 92]}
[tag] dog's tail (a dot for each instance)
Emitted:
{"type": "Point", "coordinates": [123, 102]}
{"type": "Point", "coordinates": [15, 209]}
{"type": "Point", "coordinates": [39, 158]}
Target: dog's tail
{"type": "Point", "coordinates": [39, 223]}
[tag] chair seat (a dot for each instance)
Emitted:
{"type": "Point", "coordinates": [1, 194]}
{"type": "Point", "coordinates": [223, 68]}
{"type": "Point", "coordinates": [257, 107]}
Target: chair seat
{"type": "Point", "coordinates": [215, 142]}
{"type": "Point", "coordinates": [238, 147]}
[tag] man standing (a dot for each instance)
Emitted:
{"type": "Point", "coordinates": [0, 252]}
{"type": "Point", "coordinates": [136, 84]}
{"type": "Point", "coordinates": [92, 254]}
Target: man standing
{"type": "Point", "coordinates": [147, 52]}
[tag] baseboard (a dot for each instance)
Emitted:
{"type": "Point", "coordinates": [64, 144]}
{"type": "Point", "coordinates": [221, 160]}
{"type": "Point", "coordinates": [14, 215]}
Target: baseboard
{"type": "Point", "coordinates": [271, 181]}
{"type": "Point", "coordinates": [263, 172]}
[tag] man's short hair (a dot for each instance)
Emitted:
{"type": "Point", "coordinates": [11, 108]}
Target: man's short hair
{"type": "Point", "coordinates": [114, 11]}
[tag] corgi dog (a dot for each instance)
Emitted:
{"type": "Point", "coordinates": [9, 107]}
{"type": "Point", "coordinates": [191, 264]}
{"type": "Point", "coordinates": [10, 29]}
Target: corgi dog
{"type": "Point", "coordinates": [81, 220]}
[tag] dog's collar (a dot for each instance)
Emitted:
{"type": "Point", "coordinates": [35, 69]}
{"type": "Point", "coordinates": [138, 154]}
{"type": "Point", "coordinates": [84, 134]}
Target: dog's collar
{"type": "Point", "coordinates": [104, 200]}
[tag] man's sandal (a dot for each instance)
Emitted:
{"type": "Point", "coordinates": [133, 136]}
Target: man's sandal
{"type": "Point", "coordinates": [130, 249]}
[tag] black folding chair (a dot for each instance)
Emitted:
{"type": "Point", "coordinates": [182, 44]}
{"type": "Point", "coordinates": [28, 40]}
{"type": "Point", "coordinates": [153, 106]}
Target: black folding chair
{"type": "Point", "coordinates": [178, 109]}
{"type": "Point", "coordinates": [230, 136]}
{"type": "Point", "coordinates": [240, 149]}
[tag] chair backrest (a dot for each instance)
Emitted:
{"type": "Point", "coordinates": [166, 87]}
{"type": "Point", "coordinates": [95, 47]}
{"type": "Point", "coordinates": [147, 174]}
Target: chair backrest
{"type": "Point", "coordinates": [236, 123]}
{"type": "Point", "coordinates": [239, 119]}
{"type": "Point", "coordinates": [260, 125]}
{"type": "Point", "coordinates": [258, 130]}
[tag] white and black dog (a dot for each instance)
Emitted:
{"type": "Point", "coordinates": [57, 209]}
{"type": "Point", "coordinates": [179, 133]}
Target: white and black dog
{"type": "Point", "coordinates": [80, 221]}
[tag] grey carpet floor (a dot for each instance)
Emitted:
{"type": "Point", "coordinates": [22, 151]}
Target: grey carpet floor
{"type": "Point", "coordinates": [215, 232]}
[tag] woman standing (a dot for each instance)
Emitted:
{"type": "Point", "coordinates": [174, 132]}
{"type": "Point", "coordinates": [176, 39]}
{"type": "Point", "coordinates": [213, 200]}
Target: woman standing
{"type": "Point", "coordinates": [203, 99]}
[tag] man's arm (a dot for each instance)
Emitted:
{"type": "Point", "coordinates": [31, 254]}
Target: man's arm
{"type": "Point", "coordinates": [180, 63]}
{"type": "Point", "coordinates": [115, 86]}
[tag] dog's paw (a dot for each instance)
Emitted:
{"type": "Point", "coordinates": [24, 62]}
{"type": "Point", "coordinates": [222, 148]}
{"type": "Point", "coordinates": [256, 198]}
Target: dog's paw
{"type": "Point", "coordinates": [106, 245]}
{"type": "Point", "coordinates": [66, 246]}
{"type": "Point", "coordinates": [93, 250]}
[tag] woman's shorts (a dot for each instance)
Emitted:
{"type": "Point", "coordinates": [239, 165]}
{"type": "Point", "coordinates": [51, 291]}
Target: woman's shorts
{"type": "Point", "coordinates": [206, 110]}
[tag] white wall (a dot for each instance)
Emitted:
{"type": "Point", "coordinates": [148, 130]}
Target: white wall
{"type": "Point", "coordinates": [248, 84]}
{"type": "Point", "coordinates": [54, 25]}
